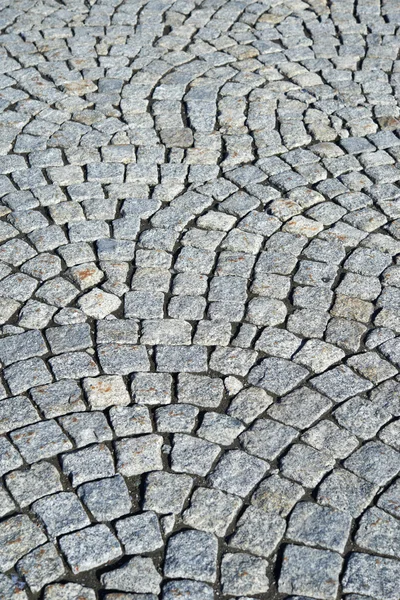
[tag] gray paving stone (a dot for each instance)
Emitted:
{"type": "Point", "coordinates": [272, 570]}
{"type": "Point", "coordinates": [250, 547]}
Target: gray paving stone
{"type": "Point", "coordinates": [193, 555]}
{"type": "Point", "coordinates": [116, 359]}
{"type": "Point", "coordinates": [57, 292]}
{"type": "Point", "coordinates": [306, 465]}
{"type": "Point", "coordinates": [238, 473]}
{"type": "Point", "coordinates": [347, 492]}
{"type": "Point", "coordinates": [278, 342]}
{"type": "Point", "coordinates": [117, 331]}
{"type": "Point", "coordinates": [40, 440]}
{"type": "Point", "coordinates": [375, 462]}
{"type": "Point", "coordinates": [318, 356]}
{"type": "Point", "coordinates": [59, 398]}
{"type": "Point", "coordinates": [211, 510]}
{"type": "Point", "coordinates": [10, 458]}
{"type": "Point", "coordinates": [384, 395]}
{"type": "Point", "coordinates": [106, 390]}
{"type": "Point", "coordinates": [276, 494]}
{"type": "Point", "coordinates": [200, 390]}
{"type": "Point", "coordinates": [220, 429]}
{"type": "Point", "coordinates": [193, 455]}
{"type": "Point", "coordinates": [243, 573]}
{"type": "Point", "coordinates": [15, 252]}
{"type": "Point", "coordinates": [98, 304]}
{"type": "Point", "coordinates": [8, 308]}
{"type": "Point", "coordinates": [139, 533]}
{"type": "Point", "coordinates": [212, 333]}
{"type": "Point", "coordinates": [69, 338]}
{"type": "Point", "coordinates": [21, 347]}
{"type": "Point", "coordinates": [73, 365]}
{"type": "Point", "coordinates": [345, 333]}
{"type": "Point", "coordinates": [7, 504]}
{"type": "Point", "coordinates": [258, 532]}
{"type": "Point", "coordinates": [361, 417]}
{"type": "Point", "coordinates": [43, 266]}
{"type": "Point", "coordinates": [277, 375]}
{"type": "Point", "coordinates": [390, 434]}
{"type": "Point", "coordinates": [187, 589]}
{"type": "Point", "coordinates": [315, 273]}
{"type": "Point", "coordinates": [138, 575]}
{"type": "Point", "coordinates": [115, 250]}
{"type": "Point", "coordinates": [23, 375]}
{"type": "Point", "coordinates": [176, 419]}
{"type": "Point", "coordinates": [192, 359]}
{"type": "Point", "coordinates": [271, 285]}
{"type": "Point", "coordinates": [367, 261]}
{"type": "Point", "coordinates": [16, 412]}
{"type": "Point", "coordinates": [85, 276]}
{"type": "Point", "coordinates": [61, 513]}
{"type": "Point", "coordinates": [248, 404]}
{"type": "Point", "coordinates": [379, 532]}
{"type": "Point", "coordinates": [315, 525]}
{"type": "Point", "coordinates": [18, 536]}
{"type": "Point", "coordinates": [130, 420]}
{"type": "Point", "coordinates": [41, 566]}
{"type": "Point", "coordinates": [90, 548]}
{"type": "Point", "coordinates": [267, 438]}
{"type": "Point", "coordinates": [187, 307]}
{"type": "Point", "coordinates": [366, 574]}
{"type": "Point", "coordinates": [106, 499]}
{"type": "Point", "coordinates": [12, 590]}
{"type": "Point", "coordinates": [151, 388]}
{"type": "Point", "coordinates": [310, 571]}
{"type": "Point", "coordinates": [389, 500]}
{"type": "Point", "coordinates": [86, 428]}
{"type": "Point", "coordinates": [266, 312]}
{"type": "Point", "coordinates": [340, 383]}
{"type": "Point", "coordinates": [352, 308]}
{"type": "Point", "coordinates": [300, 408]}
{"type": "Point", "coordinates": [166, 493]}
{"type": "Point", "coordinates": [325, 435]}
{"type": "Point", "coordinates": [139, 455]}
{"type": "Point", "coordinates": [144, 305]}
{"type": "Point", "coordinates": [315, 300]}
{"type": "Point", "coordinates": [170, 332]}
{"type": "Point", "coordinates": [199, 236]}
{"type": "Point", "coordinates": [27, 486]}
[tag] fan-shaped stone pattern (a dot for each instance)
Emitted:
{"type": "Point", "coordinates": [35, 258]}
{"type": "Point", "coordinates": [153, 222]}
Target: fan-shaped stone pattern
{"type": "Point", "coordinates": [199, 300]}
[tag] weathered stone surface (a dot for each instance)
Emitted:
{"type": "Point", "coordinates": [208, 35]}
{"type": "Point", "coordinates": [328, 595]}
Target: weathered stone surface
{"type": "Point", "coordinates": [258, 532]}
{"type": "Point", "coordinates": [309, 571]}
{"type": "Point", "coordinates": [90, 548]}
{"type": "Point", "coordinates": [191, 554]}
{"type": "Point", "coordinates": [139, 533]}
{"type": "Point", "coordinates": [139, 455]}
{"type": "Point", "coordinates": [211, 510]}
{"type": "Point", "coordinates": [244, 574]}
{"type": "Point", "coordinates": [238, 472]}
{"type": "Point", "coordinates": [315, 525]}
{"type": "Point", "coordinates": [18, 535]}
{"type": "Point", "coordinates": [41, 566]}
{"type": "Point", "coordinates": [367, 574]}
{"type": "Point", "coordinates": [199, 299]}
{"type": "Point", "coordinates": [138, 575]}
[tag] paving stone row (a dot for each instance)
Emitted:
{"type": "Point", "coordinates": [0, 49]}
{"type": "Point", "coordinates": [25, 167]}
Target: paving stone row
{"type": "Point", "coordinates": [199, 300]}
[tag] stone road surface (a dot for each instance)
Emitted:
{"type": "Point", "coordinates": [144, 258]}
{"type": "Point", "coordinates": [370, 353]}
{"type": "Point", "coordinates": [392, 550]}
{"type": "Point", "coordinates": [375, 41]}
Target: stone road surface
{"type": "Point", "coordinates": [200, 299]}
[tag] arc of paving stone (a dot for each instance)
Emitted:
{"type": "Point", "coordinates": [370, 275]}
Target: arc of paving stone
{"type": "Point", "coordinates": [199, 300]}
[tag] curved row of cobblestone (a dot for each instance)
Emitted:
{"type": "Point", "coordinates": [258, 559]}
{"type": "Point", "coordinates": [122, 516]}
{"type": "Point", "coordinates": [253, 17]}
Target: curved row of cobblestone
{"type": "Point", "coordinates": [199, 300]}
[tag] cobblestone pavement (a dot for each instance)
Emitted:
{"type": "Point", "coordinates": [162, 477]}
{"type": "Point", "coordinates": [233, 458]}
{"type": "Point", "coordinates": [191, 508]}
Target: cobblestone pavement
{"type": "Point", "coordinates": [200, 300]}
